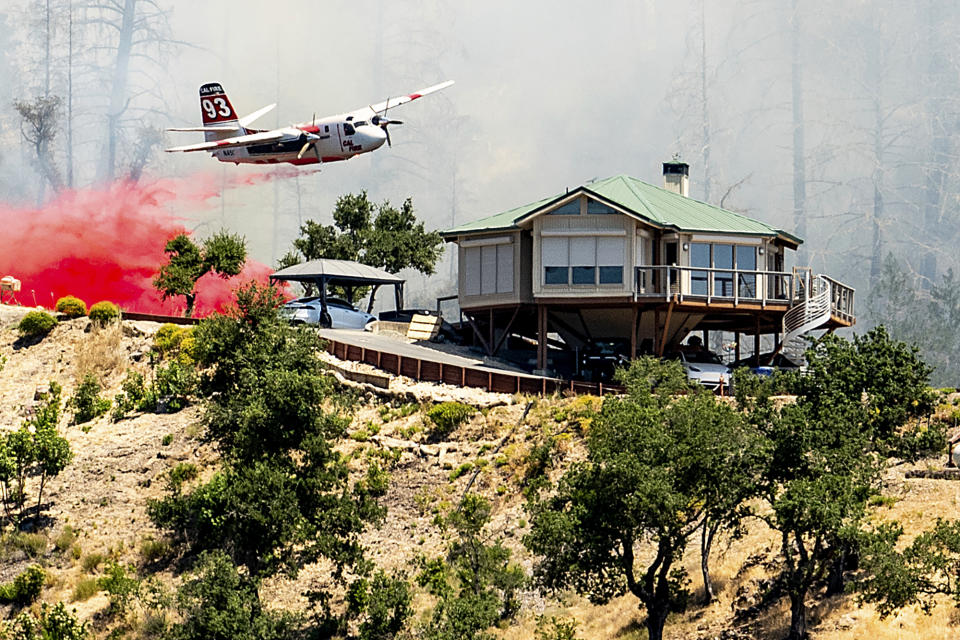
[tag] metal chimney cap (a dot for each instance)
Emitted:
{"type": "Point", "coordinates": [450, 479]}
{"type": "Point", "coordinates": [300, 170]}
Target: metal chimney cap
{"type": "Point", "coordinates": [676, 167]}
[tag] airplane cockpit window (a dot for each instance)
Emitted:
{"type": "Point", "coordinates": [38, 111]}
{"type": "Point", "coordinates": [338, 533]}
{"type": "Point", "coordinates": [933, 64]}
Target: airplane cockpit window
{"type": "Point", "coordinates": [326, 128]}
{"type": "Point", "coordinates": [348, 129]}
{"type": "Point", "coordinates": [361, 123]}
{"type": "Point", "coordinates": [349, 118]}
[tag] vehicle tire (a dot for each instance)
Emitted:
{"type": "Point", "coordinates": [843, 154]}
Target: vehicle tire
{"type": "Point", "coordinates": [325, 320]}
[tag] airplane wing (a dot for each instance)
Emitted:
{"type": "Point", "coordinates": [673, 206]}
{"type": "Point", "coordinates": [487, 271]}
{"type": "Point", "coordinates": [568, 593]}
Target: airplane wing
{"type": "Point", "coordinates": [380, 107]}
{"type": "Point", "coordinates": [202, 129]}
{"type": "Point", "coordinates": [239, 141]}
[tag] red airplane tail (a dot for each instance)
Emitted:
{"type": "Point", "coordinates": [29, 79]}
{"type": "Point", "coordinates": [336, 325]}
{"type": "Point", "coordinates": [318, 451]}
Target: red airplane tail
{"type": "Point", "coordinates": [216, 111]}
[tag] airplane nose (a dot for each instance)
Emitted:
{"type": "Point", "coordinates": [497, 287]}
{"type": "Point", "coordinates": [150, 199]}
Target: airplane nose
{"type": "Point", "coordinates": [374, 137]}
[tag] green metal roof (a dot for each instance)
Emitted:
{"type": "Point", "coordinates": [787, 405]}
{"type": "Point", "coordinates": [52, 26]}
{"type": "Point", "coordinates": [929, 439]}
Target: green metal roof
{"type": "Point", "coordinates": [659, 206]}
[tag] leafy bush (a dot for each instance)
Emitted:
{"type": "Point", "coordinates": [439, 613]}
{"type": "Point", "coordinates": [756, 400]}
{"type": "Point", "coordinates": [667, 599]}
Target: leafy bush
{"type": "Point", "coordinates": [131, 396]}
{"type": "Point", "coordinates": [35, 450]}
{"type": "Point", "coordinates": [71, 307]}
{"type": "Point", "coordinates": [25, 588]}
{"type": "Point", "coordinates": [556, 629]}
{"type": "Point", "coordinates": [220, 602]}
{"type": "Point", "coordinates": [121, 587]}
{"type": "Point", "coordinates": [476, 584]}
{"type": "Point", "coordinates": [36, 323]}
{"type": "Point", "coordinates": [175, 382]}
{"type": "Point", "coordinates": [87, 404]}
{"type": "Point", "coordinates": [183, 472]}
{"type": "Point", "coordinates": [921, 441]}
{"type": "Point", "coordinates": [104, 312]}
{"type": "Point", "coordinates": [152, 550]}
{"type": "Point", "coordinates": [447, 416]}
{"type": "Point", "coordinates": [53, 623]}
{"type": "Point", "coordinates": [172, 341]}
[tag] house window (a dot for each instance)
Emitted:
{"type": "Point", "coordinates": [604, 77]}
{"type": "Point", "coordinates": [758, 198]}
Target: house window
{"type": "Point", "coordinates": [598, 208]}
{"type": "Point", "coordinates": [556, 261]}
{"type": "Point", "coordinates": [610, 260]}
{"type": "Point", "coordinates": [699, 257]}
{"type": "Point", "coordinates": [488, 269]}
{"type": "Point", "coordinates": [580, 260]}
{"type": "Point", "coordinates": [728, 261]}
{"type": "Point", "coordinates": [569, 209]}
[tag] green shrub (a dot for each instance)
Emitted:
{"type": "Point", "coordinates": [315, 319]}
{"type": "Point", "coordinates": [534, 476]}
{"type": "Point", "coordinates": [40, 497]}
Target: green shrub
{"type": "Point", "coordinates": [181, 473]}
{"type": "Point", "coordinates": [921, 441]}
{"type": "Point", "coordinates": [84, 590]}
{"type": "Point", "coordinates": [121, 586]}
{"type": "Point", "coordinates": [131, 396]}
{"type": "Point", "coordinates": [152, 550]}
{"type": "Point", "coordinates": [66, 539]}
{"type": "Point", "coordinates": [53, 623]}
{"type": "Point", "coordinates": [176, 342]}
{"type": "Point", "coordinates": [175, 383]}
{"type": "Point", "coordinates": [92, 561]}
{"type": "Point", "coordinates": [25, 588]}
{"type": "Point", "coordinates": [71, 307]}
{"type": "Point", "coordinates": [461, 470]}
{"type": "Point", "coordinates": [36, 323]}
{"type": "Point", "coordinates": [87, 404]}
{"type": "Point", "coordinates": [167, 440]}
{"type": "Point", "coordinates": [447, 416]}
{"type": "Point", "coordinates": [104, 312]}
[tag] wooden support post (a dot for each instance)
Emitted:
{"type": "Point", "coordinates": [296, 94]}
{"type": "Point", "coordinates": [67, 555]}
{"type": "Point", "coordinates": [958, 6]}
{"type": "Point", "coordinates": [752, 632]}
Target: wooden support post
{"type": "Point", "coordinates": [541, 337]}
{"type": "Point", "coordinates": [633, 333]}
{"type": "Point", "coordinates": [506, 331]}
{"type": "Point", "coordinates": [666, 328]}
{"type": "Point", "coordinates": [490, 335]}
{"type": "Point", "coordinates": [736, 346]}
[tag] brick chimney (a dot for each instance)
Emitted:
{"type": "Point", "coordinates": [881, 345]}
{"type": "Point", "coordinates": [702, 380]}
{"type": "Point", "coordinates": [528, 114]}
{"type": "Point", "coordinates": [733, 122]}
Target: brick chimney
{"type": "Point", "coordinates": [676, 177]}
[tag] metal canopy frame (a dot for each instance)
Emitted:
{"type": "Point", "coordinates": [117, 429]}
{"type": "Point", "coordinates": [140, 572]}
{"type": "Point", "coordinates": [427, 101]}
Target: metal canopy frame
{"type": "Point", "coordinates": [342, 273]}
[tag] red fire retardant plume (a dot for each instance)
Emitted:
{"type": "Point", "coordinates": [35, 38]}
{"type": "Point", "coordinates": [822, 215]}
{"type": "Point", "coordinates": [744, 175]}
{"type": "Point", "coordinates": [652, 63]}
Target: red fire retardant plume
{"type": "Point", "coordinates": [106, 243]}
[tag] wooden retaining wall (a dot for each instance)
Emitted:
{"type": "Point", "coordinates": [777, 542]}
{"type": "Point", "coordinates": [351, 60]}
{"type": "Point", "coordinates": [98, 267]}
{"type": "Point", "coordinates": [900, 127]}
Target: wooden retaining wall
{"type": "Point", "coordinates": [462, 376]}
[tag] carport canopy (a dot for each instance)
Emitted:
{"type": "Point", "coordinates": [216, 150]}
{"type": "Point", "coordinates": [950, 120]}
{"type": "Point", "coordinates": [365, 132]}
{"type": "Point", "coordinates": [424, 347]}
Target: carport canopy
{"type": "Point", "coordinates": [341, 273]}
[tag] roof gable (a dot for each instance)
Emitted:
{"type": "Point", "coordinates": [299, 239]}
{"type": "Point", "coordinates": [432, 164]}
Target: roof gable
{"type": "Point", "coordinates": [654, 205]}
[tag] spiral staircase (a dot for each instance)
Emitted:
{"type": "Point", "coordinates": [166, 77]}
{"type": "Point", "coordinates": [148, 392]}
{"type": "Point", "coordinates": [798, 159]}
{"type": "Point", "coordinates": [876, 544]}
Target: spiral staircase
{"type": "Point", "coordinates": [813, 302]}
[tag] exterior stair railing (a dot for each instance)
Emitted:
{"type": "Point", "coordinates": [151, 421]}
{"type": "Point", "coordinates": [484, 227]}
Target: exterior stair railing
{"type": "Point", "coordinates": [813, 303]}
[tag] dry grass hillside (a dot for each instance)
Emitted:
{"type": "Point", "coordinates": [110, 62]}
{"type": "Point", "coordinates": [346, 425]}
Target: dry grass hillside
{"type": "Point", "coordinates": [95, 510]}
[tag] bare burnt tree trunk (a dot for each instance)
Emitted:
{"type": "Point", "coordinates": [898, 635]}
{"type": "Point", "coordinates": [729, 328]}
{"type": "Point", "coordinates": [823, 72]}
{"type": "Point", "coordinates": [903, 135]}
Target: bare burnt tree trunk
{"type": "Point", "coordinates": [70, 95]}
{"type": "Point", "coordinates": [39, 120]}
{"type": "Point", "coordinates": [703, 101]}
{"type": "Point", "coordinates": [876, 254]}
{"type": "Point", "coordinates": [799, 158]}
{"type": "Point", "coordinates": [118, 91]}
{"type": "Point", "coordinates": [939, 151]}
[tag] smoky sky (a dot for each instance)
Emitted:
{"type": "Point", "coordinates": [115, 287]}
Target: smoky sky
{"type": "Point", "coordinates": [549, 95]}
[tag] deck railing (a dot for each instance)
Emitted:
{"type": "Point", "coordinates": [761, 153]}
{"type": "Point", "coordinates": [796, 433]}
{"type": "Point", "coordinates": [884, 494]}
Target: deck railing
{"type": "Point", "coordinates": [736, 286]}
{"type": "Point", "coordinates": [660, 281]}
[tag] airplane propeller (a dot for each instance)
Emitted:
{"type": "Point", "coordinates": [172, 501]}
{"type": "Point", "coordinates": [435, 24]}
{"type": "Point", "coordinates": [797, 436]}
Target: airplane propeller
{"type": "Point", "coordinates": [311, 142]}
{"type": "Point", "coordinates": [383, 121]}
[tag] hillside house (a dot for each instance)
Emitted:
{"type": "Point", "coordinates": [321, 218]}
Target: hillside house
{"type": "Point", "coordinates": [623, 260]}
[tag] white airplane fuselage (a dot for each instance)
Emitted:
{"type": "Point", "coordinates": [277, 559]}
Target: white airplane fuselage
{"type": "Point", "coordinates": [340, 137]}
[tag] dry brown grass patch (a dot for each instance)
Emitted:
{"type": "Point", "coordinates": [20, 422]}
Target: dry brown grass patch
{"type": "Point", "coordinates": [101, 353]}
